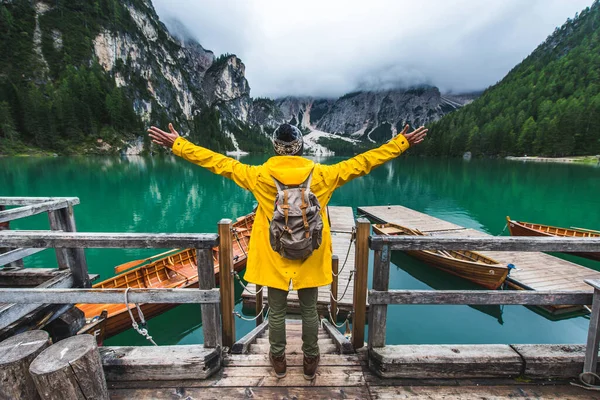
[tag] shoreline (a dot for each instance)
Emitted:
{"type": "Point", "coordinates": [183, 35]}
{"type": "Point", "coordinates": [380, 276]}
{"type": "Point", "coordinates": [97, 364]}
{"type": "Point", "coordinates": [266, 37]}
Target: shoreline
{"type": "Point", "coordinates": [592, 160]}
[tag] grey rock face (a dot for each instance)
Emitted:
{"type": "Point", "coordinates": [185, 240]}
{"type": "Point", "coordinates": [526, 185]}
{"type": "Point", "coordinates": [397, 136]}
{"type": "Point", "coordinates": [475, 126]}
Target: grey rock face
{"type": "Point", "coordinates": [176, 76]}
{"type": "Point", "coordinates": [359, 114]}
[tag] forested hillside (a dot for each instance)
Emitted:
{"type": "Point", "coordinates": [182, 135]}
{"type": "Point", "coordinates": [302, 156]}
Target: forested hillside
{"type": "Point", "coordinates": [88, 76]}
{"type": "Point", "coordinates": [547, 105]}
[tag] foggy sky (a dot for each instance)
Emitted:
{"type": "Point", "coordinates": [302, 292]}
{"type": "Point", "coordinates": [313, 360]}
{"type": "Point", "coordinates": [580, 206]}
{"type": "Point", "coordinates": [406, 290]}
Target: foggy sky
{"type": "Point", "coordinates": [331, 47]}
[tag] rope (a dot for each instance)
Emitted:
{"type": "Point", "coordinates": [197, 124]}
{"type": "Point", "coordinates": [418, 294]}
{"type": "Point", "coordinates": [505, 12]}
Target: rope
{"type": "Point", "coordinates": [345, 290]}
{"type": "Point", "coordinates": [142, 331]}
{"type": "Point", "coordinates": [505, 226]}
{"type": "Point", "coordinates": [585, 385]}
{"type": "Point", "coordinates": [352, 239]}
{"type": "Point", "coordinates": [237, 238]}
{"type": "Point", "coordinates": [245, 286]}
{"type": "Point", "coordinates": [237, 314]}
{"type": "Point", "coordinates": [333, 321]}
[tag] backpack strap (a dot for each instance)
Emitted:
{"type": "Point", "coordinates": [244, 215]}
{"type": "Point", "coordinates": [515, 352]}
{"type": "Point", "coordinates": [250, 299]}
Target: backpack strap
{"type": "Point", "coordinates": [285, 207]}
{"type": "Point", "coordinates": [308, 181]}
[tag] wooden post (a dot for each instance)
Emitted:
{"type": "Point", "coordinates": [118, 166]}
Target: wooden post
{"type": "Point", "coordinates": [335, 263]}
{"type": "Point", "coordinates": [259, 305]}
{"type": "Point", "coordinates": [4, 226]}
{"type": "Point", "coordinates": [378, 313]}
{"type": "Point", "coordinates": [226, 281]}
{"type": "Point", "coordinates": [16, 354]}
{"type": "Point", "coordinates": [591, 350]}
{"type": "Point", "coordinates": [70, 369]}
{"type": "Point", "coordinates": [361, 271]}
{"type": "Point", "coordinates": [211, 313]}
{"type": "Point", "coordinates": [73, 259]}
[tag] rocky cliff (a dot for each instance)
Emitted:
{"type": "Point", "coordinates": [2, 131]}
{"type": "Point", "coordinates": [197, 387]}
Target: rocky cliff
{"type": "Point", "coordinates": [373, 116]}
{"type": "Point", "coordinates": [157, 75]}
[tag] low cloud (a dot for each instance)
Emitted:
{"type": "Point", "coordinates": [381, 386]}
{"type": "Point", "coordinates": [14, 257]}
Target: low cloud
{"type": "Point", "coordinates": [331, 47]}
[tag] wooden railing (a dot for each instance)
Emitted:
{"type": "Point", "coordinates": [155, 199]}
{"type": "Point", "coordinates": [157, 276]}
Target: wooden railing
{"type": "Point", "coordinates": [207, 296]}
{"type": "Point", "coordinates": [381, 296]}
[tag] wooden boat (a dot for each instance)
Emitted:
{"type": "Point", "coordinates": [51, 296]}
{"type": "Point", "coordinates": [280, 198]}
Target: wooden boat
{"type": "Point", "coordinates": [175, 270]}
{"type": "Point", "coordinates": [519, 228]}
{"type": "Point", "coordinates": [469, 265]}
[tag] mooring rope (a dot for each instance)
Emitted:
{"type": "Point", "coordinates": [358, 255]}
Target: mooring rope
{"type": "Point", "coordinates": [237, 314]}
{"type": "Point", "coordinates": [584, 384]}
{"type": "Point", "coordinates": [505, 226]}
{"type": "Point", "coordinates": [352, 239]}
{"type": "Point", "coordinates": [246, 286]}
{"type": "Point", "coordinates": [142, 331]}
{"type": "Point", "coordinates": [345, 290]}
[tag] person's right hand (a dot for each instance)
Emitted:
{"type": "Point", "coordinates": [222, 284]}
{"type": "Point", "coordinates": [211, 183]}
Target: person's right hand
{"type": "Point", "coordinates": [163, 138]}
{"type": "Point", "coordinates": [416, 136]}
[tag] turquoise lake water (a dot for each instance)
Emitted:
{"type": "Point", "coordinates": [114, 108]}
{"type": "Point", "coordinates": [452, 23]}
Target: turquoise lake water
{"type": "Point", "coordinates": [167, 194]}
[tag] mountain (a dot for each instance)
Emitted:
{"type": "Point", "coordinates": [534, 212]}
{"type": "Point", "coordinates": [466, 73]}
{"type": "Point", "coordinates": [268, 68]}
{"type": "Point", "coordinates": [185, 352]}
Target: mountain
{"type": "Point", "coordinates": [372, 116]}
{"type": "Point", "coordinates": [547, 105]}
{"type": "Point", "coordinates": [83, 76]}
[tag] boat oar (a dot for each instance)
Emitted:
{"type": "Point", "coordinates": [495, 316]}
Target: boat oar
{"type": "Point", "coordinates": [135, 263]}
{"type": "Point", "coordinates": [584, 229]}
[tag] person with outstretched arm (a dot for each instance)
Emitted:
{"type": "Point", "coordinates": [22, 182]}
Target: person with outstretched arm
{"type": "Point", "coordinates": [290, 245]}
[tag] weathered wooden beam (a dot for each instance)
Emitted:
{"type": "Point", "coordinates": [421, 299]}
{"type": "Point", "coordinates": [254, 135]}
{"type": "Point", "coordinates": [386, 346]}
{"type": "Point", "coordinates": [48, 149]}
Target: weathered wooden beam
{"type": "Point", "coordinates": [335, 263]}
{"type": "Point", "coordinates": [211, 313]}
{"type": "Point", "coordinates": [226, 282]}
{"type": "Point", "coordinates": [378, 312]}
{"type": "Point", "coordinates": [26, 201]}
{"type": "Point", "coordinates": [361, 272]}
{"type": "Point", "coordinates": [27, 211]}
{"type": "Point", "coordinates": [480, 297]}
{"type": "Point", "coordinates": [591, 352]}
{"type": "Point", "coordinates": [495, 243]}
{"type": "Point", "coordinates": [73, 258]}
{"type": "Point", "coordinates": [11, 312]}
{"type": "Point", "coordinates": [108, 240]}
{"type": "Point", "coordinates": [259, 305]}
{"type": "Point", "coordinates": [150, 363]}
{"type": "Point", "coordinates": [548, 361]}
{"type": "Point", "coordinates": [343, 345]}
{"type": "Point", "coordinates": [243, 345]}
{"type": "Point", "coordinates": [445, 361]}
{"type": "Point", "coordinates": [107, 296]}
{"type": "Point", "coordinates": [3, 227]}
{"type": "Point", "coordinates": [17, 254]}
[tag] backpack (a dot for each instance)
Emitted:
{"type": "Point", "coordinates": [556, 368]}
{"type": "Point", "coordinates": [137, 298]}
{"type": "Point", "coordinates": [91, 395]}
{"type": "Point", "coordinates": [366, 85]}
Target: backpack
{"type": "Point", "coordinates": [297, 227]}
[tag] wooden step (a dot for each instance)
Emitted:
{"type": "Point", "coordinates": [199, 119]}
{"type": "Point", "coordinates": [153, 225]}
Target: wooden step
{"type": "Point", "coordinates": [288, 336]}
{"type": "Point", "coordinates": [293, 360]}
{"type": "Point", "coordinates": [292, 349]}
{"type": "Point", "coordinates": [294, 341]}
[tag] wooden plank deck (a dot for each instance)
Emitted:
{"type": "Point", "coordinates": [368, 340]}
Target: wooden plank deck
{"type": "Point", "coordinates": [342, 224]}
{"type": "Point", "coordinates": [535, 270]}
{"type": "Point", "coordinates": [340, 376]}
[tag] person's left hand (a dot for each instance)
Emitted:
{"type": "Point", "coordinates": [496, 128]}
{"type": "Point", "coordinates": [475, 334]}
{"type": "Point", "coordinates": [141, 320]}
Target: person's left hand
{"type": "Point", "coordinates": [163, 138]}
{"type": "Point", "coordinates": [416, 136]}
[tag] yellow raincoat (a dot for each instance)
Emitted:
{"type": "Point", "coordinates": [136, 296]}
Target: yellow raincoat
{"type": "Point", "coordinates": [265, 266]}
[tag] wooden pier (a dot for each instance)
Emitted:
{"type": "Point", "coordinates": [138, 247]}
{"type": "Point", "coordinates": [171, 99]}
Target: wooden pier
{"type": "Point", "coordinates": [342, 226]}
{"type": "Point", "coordinates": [534, 270]}
{"type": "Point", "coordinates": [340, 376]}
{"type": "Point", "coordinates": [223, 367]}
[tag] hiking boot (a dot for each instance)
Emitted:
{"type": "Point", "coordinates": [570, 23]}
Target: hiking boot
{"type": "Point", "coordinates": [279, 365]}
{"type": "Point", "coordinates": [310, 365]}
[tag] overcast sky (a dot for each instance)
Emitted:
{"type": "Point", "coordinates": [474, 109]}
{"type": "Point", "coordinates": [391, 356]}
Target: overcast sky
{"type": "Point", "coordinates": [331, 47]}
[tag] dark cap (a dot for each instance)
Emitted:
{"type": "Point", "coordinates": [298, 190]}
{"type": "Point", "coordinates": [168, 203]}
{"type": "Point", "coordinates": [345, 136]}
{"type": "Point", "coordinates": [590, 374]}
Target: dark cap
{"type": "Point", "coordinates": [287, 140]}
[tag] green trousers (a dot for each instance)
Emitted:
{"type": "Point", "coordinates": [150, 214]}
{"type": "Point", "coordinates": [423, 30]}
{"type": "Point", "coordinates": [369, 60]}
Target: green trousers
{"type": "Point", "coordinates": [310, 320]}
